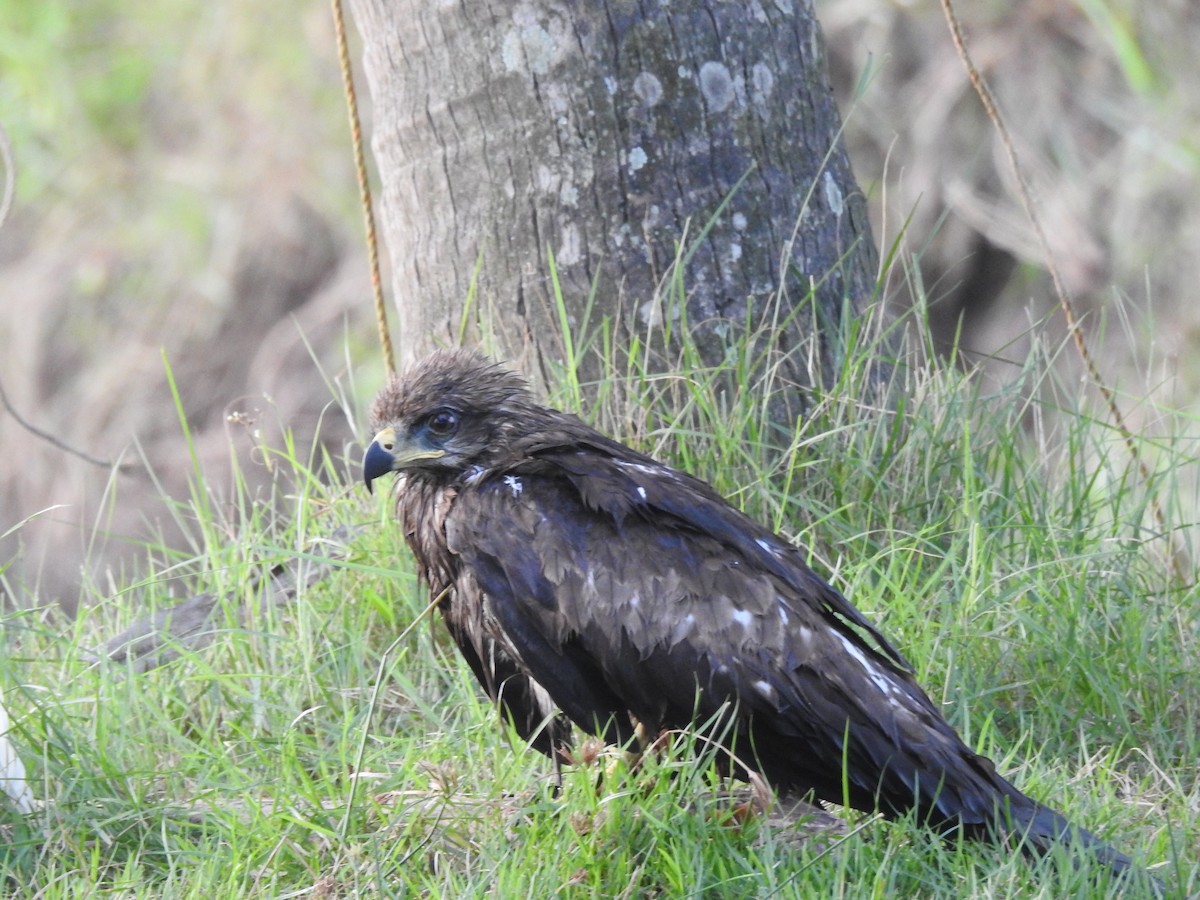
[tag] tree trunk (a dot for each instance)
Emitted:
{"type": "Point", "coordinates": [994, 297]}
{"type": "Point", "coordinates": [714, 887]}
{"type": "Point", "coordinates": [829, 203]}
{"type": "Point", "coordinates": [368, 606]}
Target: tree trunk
{"type": "Point", "coordinates": [608, 134]}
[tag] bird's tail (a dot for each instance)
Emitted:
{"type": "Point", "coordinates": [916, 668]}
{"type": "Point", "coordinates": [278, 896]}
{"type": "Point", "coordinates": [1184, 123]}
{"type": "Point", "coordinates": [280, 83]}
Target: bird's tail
{"type": "Point", "coordinates": [1038, 829]}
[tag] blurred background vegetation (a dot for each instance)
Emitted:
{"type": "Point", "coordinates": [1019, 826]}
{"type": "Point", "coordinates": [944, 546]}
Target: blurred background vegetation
{"type": "Point", "coordinates": [185, 186]}
{"type": "Point", "coordinates": [1100, 98]}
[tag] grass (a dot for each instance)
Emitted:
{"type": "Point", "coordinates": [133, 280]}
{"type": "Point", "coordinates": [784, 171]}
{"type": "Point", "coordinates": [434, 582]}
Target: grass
{"type": "Point", "coordinates": [308, 752]}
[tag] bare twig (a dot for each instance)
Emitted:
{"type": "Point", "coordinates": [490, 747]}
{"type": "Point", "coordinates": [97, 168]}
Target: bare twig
{"type": "Point", "coordinates": [6, 199]}
{"type": "Point", "coordinates": [51, 439]}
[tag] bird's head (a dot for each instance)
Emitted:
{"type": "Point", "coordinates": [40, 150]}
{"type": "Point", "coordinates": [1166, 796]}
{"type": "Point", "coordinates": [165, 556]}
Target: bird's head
{"type": "Point", "coordinates": [451, 411]}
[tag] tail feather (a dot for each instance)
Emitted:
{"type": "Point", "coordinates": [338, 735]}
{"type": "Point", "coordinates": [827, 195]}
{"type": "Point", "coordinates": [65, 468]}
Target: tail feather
{"type": "Point", "coordinates": [1039, 829]}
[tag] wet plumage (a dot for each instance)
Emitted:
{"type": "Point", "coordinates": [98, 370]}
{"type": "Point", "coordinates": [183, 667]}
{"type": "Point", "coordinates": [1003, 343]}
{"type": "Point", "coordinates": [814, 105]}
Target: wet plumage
{"type": "Point", "coordinates": [590, 584]}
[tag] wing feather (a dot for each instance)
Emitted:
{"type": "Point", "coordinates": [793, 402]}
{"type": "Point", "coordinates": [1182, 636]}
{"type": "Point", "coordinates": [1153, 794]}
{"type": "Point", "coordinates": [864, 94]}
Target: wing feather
{"type": "Point", "coordinates": [657, 606]}
{"type": "Point", "coordinates": [510, 565]}
{"type": "Point", "coordinates": [641, 484]}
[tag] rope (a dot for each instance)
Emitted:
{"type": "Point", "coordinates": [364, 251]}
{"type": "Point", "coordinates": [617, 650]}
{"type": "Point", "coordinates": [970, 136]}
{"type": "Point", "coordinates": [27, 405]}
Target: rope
{"type": "Point", "coordinates": [364, 187]}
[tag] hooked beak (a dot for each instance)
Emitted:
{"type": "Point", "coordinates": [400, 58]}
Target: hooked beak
{"type": "Point", "coordinates": [386, 454]}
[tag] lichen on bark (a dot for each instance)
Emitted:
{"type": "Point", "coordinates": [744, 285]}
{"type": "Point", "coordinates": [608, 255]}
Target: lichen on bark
{"type": "Point", "coordinates": [605, 134]}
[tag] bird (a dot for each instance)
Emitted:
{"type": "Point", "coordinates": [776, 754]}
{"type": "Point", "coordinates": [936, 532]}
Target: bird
{"type": "Point", "coordinates": [587, 584]}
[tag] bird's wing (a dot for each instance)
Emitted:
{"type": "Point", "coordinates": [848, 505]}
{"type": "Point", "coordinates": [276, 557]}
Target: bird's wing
{"type": "Point", "coordinates": [629, 590]}
{"type": "Point", "coordinates": [521, 700]}
{"type": "Point", "coordinates": [616, 483]}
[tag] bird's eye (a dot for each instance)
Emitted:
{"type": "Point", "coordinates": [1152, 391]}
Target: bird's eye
{"type": "Point", "coordinates": [442, 423]}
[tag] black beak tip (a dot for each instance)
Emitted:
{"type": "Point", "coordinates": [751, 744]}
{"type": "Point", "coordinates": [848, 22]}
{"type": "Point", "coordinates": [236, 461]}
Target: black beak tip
{"type": "Point", "coordinates": [376, 462]}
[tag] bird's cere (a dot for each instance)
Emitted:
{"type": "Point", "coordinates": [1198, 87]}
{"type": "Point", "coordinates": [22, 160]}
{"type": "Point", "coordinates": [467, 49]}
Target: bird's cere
{"type": "Point", "coordinates": [386, 454]}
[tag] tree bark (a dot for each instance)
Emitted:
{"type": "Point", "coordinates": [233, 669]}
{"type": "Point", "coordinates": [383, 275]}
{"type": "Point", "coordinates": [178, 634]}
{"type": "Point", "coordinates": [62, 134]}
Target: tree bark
{"type": "Point", "coordinates": [609, 134]}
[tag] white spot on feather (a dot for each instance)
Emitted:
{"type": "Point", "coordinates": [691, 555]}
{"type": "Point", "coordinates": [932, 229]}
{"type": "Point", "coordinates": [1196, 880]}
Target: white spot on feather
{"type": "Point", "coordinates": [764, 688]}
{"type": "Point", "coordinates": [644, 468]}
{"type": "Point", "coordinates": [743, 617]}
{"type": "Point", "coordinates": [514, 485]}
{"type": "Point", "coordinates": [474, 474]}
{"type": "Point", "coordinates": [641, 492]}
{"type": "Point", "coordinates": [877, 675]}
{"type": "Point", "coordinates": [545, 702]}
{"type": "Point", "coordinates": [783, 616]}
